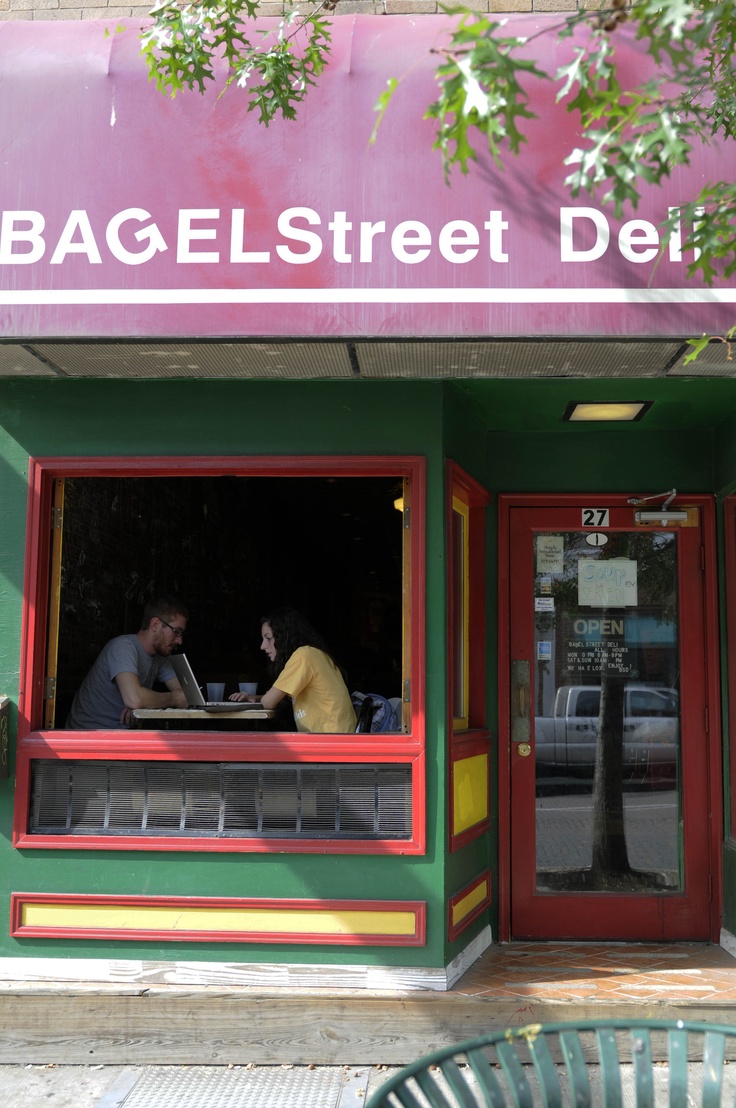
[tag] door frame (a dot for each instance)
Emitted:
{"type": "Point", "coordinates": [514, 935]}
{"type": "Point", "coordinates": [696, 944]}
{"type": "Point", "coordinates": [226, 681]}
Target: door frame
{"type": "Point", "coordinates": [713, 754]}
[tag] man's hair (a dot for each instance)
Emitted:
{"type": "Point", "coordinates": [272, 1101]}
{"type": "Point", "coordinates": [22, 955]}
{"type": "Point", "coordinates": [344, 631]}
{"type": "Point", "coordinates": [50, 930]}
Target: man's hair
{"type": "Point", "coordinates": [163, 607]}
{"type": "Point", "coordinates": [290, 631]}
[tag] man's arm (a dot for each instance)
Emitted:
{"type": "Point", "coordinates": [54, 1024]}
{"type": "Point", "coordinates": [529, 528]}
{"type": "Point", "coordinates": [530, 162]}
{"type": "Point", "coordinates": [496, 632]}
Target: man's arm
{"type": "Point", "coordinates": [136, 696]}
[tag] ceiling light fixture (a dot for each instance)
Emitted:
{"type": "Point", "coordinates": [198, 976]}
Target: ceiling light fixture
{"type": "Point", "coordinates": [608, 411]}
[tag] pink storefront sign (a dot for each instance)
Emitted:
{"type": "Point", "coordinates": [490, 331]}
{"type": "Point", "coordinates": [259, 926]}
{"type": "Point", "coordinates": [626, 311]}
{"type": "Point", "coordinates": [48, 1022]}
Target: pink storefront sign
{"type": "Point", "coordinates": [125, 214]}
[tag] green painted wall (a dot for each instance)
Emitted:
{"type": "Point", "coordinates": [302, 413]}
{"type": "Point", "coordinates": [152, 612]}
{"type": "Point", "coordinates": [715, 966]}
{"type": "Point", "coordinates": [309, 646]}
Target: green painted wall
{"type": "Point", "coordinates": [698, 454]}
{"type": "Point", "coordinates": [434, 419]}
{"type": "Point", "coordinates": [593, 460]}
{"type": "Point", "coordinates": [465, 437]}
{"type": "Point", "coordinates": [107, 417]}
{"type": "Point", "coordinates": [729, 887]}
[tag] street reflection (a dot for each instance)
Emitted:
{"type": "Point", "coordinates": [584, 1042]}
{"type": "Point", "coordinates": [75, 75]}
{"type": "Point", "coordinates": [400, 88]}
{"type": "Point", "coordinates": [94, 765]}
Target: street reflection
{"type": "Point", "coordinates": [564, 814]}
{"type": "Point", "coordinates": [607, 712]}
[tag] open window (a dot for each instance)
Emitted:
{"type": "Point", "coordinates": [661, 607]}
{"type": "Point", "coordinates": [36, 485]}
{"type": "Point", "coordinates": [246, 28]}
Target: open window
{"type": "Point", "coordinates": [231, 538]}
{"type": "Point", "coordinates": [232, 548]}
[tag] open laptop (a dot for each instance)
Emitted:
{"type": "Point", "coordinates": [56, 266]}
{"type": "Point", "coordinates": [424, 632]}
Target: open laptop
{"type": "Point", "coordinates": [193, 693]}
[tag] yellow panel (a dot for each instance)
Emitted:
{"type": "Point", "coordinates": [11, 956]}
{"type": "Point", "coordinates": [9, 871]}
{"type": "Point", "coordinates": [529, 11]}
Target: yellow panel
{"type": "Point", "coordinates": [470, 792]}
{"type": "Point", "coordinates": [465, 906]}
{"type": "Point", "coordinates": [157, 917]}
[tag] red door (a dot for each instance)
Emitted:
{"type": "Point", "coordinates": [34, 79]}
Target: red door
{"type": "Point", "coordinates": [613, 810]}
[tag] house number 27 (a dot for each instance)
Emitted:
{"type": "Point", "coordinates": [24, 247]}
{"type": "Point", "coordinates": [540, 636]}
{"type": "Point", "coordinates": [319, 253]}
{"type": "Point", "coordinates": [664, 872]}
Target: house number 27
{"type": "Point", "coordinates": [595, 517]}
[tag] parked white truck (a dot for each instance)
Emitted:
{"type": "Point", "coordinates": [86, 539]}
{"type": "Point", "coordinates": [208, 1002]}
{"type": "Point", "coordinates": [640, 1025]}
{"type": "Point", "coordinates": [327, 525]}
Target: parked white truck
{"type": "Point", "coordinates": [569, 736]}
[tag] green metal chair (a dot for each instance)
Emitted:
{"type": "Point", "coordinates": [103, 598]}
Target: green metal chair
{"type": "Point", "coordinates": [605, 1063]}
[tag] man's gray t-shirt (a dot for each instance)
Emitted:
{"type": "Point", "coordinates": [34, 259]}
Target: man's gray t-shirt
{"type": "Point", "coordinates": [98, 702]}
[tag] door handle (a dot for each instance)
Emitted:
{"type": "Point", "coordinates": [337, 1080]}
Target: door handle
{"type": "Point", "coordinates": [521, 731]}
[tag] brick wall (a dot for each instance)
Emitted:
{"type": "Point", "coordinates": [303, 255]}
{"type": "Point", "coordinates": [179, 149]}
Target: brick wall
{"type": "Point", "coordinates": [74, 9]}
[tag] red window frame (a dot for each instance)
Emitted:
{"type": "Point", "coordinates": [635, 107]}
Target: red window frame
{"type": "Point", "coordinates": [35, 742]}
{"type": "Point", "coordinates": [729, 534]}
{"type": "Point", "coordinates": [476, 739]}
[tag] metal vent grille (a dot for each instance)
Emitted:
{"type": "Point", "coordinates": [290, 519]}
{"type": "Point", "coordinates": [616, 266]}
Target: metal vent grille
{"type": "Point", "coordinates": [265, 360]}
{"type": "Point", "coordinates": [221, 800]}
{"type": "Point", "coordinates": [517, 359]}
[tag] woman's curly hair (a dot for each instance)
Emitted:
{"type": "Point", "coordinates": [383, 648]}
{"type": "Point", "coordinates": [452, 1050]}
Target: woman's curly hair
{"type": "Point", "coordinates": [290, 631]}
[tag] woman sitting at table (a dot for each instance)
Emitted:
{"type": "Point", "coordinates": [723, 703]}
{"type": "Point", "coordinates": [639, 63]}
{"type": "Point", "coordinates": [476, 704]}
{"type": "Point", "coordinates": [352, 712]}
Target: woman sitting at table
{"type": "Point", "coordinates": [303, 668]}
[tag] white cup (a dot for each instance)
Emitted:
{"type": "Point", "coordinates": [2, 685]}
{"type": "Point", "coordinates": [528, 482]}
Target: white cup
{"type": "Point", "coordinates": [215, 690]}
{"type": "Point", "coordinates": [250, 687]}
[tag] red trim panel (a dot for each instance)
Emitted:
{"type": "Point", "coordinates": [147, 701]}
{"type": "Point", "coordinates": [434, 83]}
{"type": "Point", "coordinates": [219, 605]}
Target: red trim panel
{"type": "Point", "coordinates": [463, 744]}
{"type": "Point", "coordinates": [172, 746]}
{"type": "Point", "coordinates": [466, 745]}
{"type": "Point", "coordinates": [456, 929]}
{"type": "Point", "coordinates": [165, 747]}
{"type": "Point", "coordinates": [729, 527]}
{"type": "Point", "coordinates": [221, 907]}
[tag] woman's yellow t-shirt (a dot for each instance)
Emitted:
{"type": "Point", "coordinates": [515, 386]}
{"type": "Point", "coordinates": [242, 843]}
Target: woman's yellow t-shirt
{"type": "Point", "coordinates": [321, 700]}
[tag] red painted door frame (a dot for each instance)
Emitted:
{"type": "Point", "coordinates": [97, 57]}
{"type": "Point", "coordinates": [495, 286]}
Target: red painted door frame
{"type": "Point", "coordinates": [628, 917]}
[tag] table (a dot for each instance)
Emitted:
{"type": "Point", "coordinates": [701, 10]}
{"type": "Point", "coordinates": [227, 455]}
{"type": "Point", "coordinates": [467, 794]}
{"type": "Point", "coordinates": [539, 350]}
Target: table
{"type": "Point", "coordinates": [168, 715]}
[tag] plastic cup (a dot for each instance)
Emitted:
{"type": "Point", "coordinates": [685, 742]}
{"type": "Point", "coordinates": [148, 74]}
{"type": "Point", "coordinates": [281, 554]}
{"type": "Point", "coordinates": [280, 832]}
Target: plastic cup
{"type": "Point", "coordinates": [250, 687]}
{"type": "Point", "coordinates": [215, 690]}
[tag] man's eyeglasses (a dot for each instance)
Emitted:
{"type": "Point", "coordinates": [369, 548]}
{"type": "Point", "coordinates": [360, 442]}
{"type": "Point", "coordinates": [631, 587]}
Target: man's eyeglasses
{"type": "Point", "coordinates": [178, 631]}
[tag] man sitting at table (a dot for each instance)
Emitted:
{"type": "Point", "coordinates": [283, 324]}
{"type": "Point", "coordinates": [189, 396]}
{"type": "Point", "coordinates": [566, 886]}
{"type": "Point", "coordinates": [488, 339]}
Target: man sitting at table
{"type": "Point", "coordinates": [127, 668]}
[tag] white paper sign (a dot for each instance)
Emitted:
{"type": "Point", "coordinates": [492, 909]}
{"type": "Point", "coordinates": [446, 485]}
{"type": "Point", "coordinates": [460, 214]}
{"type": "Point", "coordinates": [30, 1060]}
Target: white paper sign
{"type": "Point", "coordinates": [550, 553]}
{"type": "Point", "coordinates": [607, 584]}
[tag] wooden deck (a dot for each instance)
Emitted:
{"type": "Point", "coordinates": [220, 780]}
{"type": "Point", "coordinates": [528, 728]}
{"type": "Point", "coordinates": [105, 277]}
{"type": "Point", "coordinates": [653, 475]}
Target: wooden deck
{"type": "Point", "coordinates": [153, 1022]}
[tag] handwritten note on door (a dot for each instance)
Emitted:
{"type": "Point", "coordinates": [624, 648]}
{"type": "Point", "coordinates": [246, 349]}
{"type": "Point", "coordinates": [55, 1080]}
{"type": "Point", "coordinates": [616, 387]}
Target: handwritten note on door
{"type": "Point", "coordinates": [607, 584]}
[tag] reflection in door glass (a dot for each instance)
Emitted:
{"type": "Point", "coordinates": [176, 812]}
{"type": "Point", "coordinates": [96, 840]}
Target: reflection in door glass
{"type": "Point", "coordinates": [606, 693]}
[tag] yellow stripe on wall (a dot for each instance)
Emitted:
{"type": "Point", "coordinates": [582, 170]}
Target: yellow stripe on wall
{"type": "Point", "coordinates": [157, 917]}
{"type": "Point", "coordinates": [470, 792]}
{"type": "Point", "coordinates": [465, 906]}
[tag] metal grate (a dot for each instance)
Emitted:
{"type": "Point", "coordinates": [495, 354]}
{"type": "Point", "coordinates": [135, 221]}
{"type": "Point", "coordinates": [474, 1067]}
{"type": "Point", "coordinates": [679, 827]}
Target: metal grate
{"type": "Point", "coordinates": [221, 800]}
{"type": "Point", "coordinates": [217, 1087]}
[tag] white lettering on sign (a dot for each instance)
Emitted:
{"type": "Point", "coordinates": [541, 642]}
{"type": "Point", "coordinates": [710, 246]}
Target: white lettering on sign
{"type": "Point", "coordinates": [188, 234]}
{"type": "Point", "coordinates": [237, 239]}
{"type": "Point", "coordinates": [601, 627]}
{"type": "Point", "coordinates": [410, 241]}
{"type": "Point", "coordinates": [459, 241]}
{"type": "Point", "coordinates": [301, 235]}
{"type": "Point", "coordinates": [310, 238]}
{"type": "Point", "coordinates": [149, 234]}
{"type": "Point", "coordinates": [638, 240]}
{"type": "Point", "coordinates": [14, 232]}
{"type": "Point", "coordinates": [77, 224]}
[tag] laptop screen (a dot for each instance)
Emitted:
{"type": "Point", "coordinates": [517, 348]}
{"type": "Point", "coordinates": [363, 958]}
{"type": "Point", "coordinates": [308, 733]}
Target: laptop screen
{"type": "Point", "coordinates": [185, 676]}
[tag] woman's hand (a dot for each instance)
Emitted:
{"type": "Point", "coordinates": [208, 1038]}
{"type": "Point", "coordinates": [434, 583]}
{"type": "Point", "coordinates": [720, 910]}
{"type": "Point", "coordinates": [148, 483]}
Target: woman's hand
{"type": "Point", "coordinates": [241, 696]}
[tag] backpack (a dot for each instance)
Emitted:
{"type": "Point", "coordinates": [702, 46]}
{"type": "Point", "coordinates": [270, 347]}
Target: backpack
{"type": "Point", "coordinates": [384, 716]}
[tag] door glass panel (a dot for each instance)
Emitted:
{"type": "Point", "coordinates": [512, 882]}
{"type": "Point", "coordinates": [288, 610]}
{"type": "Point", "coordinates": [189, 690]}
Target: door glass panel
{"type": "Point", "coordinates": [606, 690]}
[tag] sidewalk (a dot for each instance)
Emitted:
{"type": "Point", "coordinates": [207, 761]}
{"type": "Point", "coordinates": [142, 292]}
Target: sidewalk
{"type": "Point", "coordinates": [190, 1086]}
